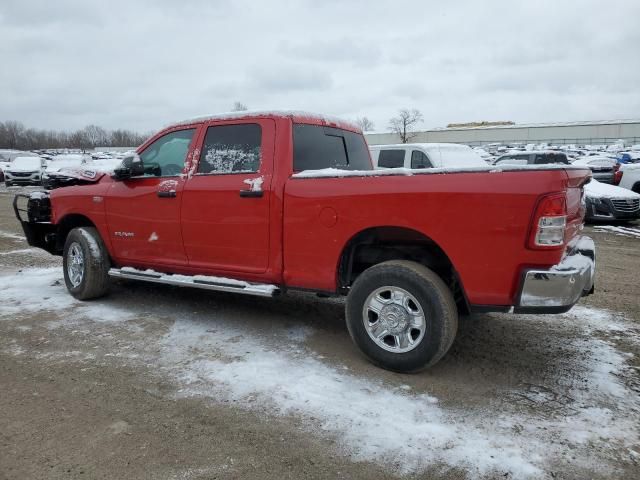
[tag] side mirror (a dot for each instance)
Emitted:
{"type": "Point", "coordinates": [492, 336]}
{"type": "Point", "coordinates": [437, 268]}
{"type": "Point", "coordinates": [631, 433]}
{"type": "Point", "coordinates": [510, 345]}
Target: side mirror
{"type": "Point", "coordinates": [131, 166]}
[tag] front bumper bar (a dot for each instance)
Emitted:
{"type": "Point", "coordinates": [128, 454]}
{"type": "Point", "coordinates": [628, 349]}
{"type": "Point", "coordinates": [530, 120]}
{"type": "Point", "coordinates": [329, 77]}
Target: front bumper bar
{"type": "Point", "coordinates": [557, 289]}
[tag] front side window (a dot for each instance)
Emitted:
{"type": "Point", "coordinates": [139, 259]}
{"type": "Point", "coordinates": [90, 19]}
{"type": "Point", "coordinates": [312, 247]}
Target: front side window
{"type": "Point", "coordinates": [391, 158]}
{"type": "Point", "coordinates": [420, 160]}
{"type": "Point", "coordinates": [231, 149]}
{"type": "Point", "coordinates": [167, 155]}
{"type": "Point", "coordinates": [316, 147]}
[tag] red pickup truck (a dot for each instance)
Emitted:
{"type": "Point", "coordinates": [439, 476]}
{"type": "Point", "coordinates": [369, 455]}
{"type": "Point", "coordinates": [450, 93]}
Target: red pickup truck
{"type": "Point", "coordinates": [264, 203]}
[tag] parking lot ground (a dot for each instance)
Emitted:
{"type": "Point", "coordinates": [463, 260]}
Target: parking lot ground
{"type": "Point", "coordinates": [160, 382]}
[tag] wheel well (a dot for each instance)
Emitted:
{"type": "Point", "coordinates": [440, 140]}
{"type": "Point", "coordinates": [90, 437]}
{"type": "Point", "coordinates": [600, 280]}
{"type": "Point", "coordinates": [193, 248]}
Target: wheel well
{"type": "Point", "coordinates": [380, 244]}
{"type": "Point", "coordinates": [636, 187]}
{"type": "Point", "coordinates": [67, 224]}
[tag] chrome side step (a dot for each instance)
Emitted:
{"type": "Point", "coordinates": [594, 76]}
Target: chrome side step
{"type": "Point", "coordinates": [219, 284]}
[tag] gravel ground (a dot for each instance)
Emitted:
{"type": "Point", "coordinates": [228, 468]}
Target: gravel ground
{"type": "Point", "coordinates": [166, 383]}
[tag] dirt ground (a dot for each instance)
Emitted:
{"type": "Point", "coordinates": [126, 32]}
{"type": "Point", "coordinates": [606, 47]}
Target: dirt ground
{"type": "Point", "coordinates": [156, 382]}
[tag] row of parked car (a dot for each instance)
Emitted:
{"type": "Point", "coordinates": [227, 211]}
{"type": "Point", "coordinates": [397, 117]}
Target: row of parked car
{"type": "Point", "coordinates": [612, 195]}
{"type": "Point", "coordinates": [38, 168]}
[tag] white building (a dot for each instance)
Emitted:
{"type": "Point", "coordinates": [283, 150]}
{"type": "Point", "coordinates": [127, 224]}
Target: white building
{"type": "Point", "coordinates": [579, 133]}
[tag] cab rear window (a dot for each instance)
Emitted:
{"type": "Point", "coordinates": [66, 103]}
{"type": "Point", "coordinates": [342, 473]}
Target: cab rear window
{"type": "Point", "coordinates": [316, 147]}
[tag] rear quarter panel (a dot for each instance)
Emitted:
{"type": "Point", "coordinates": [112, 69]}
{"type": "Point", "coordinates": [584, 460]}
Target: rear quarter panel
{"type": "Point", "coordinates": [480, 220]}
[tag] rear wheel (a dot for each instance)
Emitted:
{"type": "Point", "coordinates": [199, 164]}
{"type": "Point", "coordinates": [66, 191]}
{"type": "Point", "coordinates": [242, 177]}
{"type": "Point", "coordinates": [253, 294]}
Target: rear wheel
{"type": "Point", "coordinates": [401, 315]}
{"type": "Point", "coordinates": [86, 264]}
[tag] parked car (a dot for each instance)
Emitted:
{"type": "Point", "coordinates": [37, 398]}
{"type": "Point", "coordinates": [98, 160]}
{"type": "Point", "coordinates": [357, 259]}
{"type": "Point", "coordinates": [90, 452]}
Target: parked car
{"type": "Point", "coordinates": [425, 155]}
{"type": "Point", "coordinates": [628, 157]}
{"type": "Point", "coordinates": [628, 176]}
{"type": "Point", "coordinates": [532, 158]}
{"type": "Point", "coordinates": [608, 202]}
{"type": "Point", "coordinates": [264, 203]}
{"type": "Point", "coordinates": [603, 168]}
{"type": "Point", "coordinates": [24, 171]}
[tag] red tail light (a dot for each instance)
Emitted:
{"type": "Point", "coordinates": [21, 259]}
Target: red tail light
{"type": "Point", "coordinates": [549, 222]}
{"type": "Point", "coordinates": [617, 174]}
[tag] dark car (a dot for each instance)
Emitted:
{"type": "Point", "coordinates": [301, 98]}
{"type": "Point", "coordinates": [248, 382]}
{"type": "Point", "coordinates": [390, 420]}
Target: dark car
{"type": "Point", "coordinates": [607, 202]}
{"type": "Point", "coordinates": [603, 168]}
{"type": "Point", "coordinates": [532, 158]}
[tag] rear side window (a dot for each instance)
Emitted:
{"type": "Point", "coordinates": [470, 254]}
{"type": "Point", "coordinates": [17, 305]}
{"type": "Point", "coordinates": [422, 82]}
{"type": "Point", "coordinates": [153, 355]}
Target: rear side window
{"type": "Point", "coordinates": [231, 149]}
{"type": "Point", "coordinates": [420, 160]}
{"type": "Point", "coordinates": [316, 147]}
{"type": "Point", "coordinates": [391, 159]}
{"type": "Point", "coordinates": [545, 158]}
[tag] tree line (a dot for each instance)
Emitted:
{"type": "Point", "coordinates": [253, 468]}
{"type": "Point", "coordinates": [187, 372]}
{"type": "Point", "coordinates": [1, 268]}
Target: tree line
{"type": "Point", "coordinates": [14, 135]}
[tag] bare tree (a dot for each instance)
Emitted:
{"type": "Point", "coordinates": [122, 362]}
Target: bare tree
{"type": "Point", "coordinates": [14, 132]}
{"type": "Point", "coordinates": [96, 135]}
{"type": "Point", "coordinates": [404, 124]}
{"type": "Point", "coordinates": [365, 124]}
{"type": "Point", "coordinates": [239, 107]}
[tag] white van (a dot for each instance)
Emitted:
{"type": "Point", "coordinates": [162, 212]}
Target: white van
{"type": "Point", "coordinates": [425, 155]}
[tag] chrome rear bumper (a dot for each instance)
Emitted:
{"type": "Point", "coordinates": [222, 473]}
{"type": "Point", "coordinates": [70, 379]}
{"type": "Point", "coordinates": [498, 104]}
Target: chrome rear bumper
{"type": "Point", "coordinates": [557, 289]}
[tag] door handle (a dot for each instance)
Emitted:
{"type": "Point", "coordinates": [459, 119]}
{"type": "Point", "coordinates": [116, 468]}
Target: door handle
{"type": "Point", "coordinates": [251, 193]}
{"type": "Point", "coordinates": [167, 194]}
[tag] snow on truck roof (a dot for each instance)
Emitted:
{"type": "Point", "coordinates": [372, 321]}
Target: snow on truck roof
{"type": "Point", "coordinates": [298, 116]}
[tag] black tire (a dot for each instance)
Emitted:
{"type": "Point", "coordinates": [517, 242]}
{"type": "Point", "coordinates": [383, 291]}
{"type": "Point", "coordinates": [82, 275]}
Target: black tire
{"type": "Point", "coordinates": [435, 300]}
{"type": "Point", "coordinates": [94, 281]}
{"type": "Point", "coordinates": [7, 184]}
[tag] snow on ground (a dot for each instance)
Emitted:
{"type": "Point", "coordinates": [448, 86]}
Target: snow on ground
{"type": "Point", "coordinates": [625, 231]}
{"type": "Point", "coordinates": [211, 358]}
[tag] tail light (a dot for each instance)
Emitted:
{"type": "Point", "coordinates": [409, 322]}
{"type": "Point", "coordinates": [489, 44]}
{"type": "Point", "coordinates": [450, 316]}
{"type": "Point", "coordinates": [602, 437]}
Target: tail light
{"type": "Point", "coordinates": [617, 174]}
{"type": "Point", "coordinates": [549, 222]}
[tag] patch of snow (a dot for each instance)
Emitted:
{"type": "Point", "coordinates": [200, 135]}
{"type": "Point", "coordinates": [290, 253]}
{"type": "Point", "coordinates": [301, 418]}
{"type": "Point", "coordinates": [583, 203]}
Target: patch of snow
{"type": "Point", "coordinates": [37, 290]}
{"type": "Point", "coordinates": [625, 231]}
{"type": "Point", "coordinates": [335, 172]}
{"type": "Point", "coordinates": [168, 185]}
{"type": "Point", "coordinates": [255, 183]}
{"type": "Point", "coordinates": [596, 189]}
{"type": "Point", "coordinates": [38, 195]}
{"type": "Point", "coordinates": [18, 252]}
{"type": "Point", "coordinates": [296, 114]}
{"type": "Point", "coordinates": [14, 236]}
{"type": "Point", "coordinates": [373, 421]}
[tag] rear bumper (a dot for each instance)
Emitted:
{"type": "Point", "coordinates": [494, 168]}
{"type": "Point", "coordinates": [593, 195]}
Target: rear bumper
{"type": "Point", "coordinates": [558, 289]}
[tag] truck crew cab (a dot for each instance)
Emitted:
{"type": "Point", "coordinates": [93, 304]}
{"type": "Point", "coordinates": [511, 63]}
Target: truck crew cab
{"type": "Point", "coordinates": [267, 202]}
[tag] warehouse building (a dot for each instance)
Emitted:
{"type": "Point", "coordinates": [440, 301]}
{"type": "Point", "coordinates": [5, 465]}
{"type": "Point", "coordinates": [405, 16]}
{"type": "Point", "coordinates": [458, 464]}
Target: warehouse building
{"type": "Point", "coordinates": [578, 133]}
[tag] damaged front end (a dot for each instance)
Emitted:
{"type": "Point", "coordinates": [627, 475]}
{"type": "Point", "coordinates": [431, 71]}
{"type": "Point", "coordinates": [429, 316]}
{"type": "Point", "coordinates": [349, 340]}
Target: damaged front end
{"type": "Point", "coordinates": [33, 211]}
{"type": "Point", "coordinates": [68, 177]}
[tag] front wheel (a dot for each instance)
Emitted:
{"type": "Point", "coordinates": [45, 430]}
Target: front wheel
{"type": "Point", "coordinates": [401, 315]}
{"type": "Point", "coordinates": [86, 264]}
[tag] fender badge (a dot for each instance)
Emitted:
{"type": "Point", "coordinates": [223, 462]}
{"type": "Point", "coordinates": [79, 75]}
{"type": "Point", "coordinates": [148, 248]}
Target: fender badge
{"type": "Point", "coordinates": [97, 199]}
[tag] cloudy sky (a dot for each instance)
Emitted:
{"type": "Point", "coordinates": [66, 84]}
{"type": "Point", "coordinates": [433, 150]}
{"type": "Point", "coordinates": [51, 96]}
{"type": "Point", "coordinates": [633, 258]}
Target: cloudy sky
{"type": "Point", "coordinates": [143, 64]}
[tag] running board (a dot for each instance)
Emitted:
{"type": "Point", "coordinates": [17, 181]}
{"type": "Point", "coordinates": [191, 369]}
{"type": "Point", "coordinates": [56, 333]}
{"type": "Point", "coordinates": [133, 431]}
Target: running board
{"type": "Point", "coordinates": [196, 281]}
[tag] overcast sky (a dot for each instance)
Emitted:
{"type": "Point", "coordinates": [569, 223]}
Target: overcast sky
{"type": "Point", "coordinates": [143, 64]}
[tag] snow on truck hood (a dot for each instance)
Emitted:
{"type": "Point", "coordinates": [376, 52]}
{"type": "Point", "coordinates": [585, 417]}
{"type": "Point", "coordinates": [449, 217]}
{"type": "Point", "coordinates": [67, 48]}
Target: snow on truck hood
{"type": "Point", "coordinates": [596, 189]}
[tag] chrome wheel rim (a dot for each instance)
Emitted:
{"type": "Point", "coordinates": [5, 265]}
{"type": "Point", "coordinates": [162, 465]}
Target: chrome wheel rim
{"type": "Point", "coordinates": [75, 264]}
{"type": "Point", "coordinates": [394, 319]}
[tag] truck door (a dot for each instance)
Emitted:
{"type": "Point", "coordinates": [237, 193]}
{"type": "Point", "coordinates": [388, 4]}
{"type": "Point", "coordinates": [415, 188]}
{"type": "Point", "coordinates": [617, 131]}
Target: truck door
{"type": "Point", "coordinates": [225, 205]}
{"type": "Point", "coordinates": [143, 213]}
